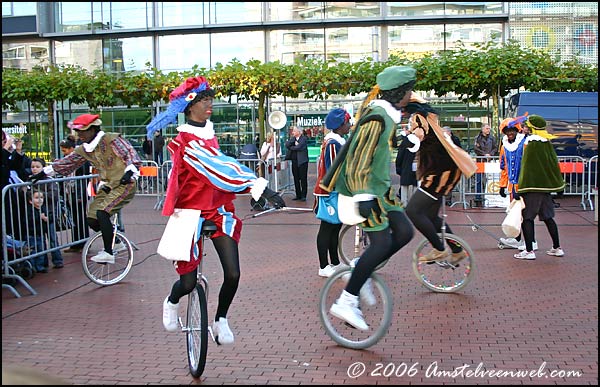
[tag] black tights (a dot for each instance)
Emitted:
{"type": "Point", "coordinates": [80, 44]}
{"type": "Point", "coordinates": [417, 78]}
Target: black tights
{"type": "Point", "coordinates": [382, 245]}
{"type": "Point", "coordinates": [327, 241]}
{"type": "Point", "coordinates": [102, 223]}
{"type": "Point", "coordinates": [227, 250]}
{"type": "Point", "coordinates": [529, 233]}
{"type": "Point", "coordinates": [423, 211]}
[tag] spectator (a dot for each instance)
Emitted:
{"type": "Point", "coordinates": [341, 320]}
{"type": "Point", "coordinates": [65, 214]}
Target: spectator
{"type": "Point", "coordinates": [147, 148]}
{"type": "Point", "coordinates": [159, 143]}
{"type": "Point", "coordinates": [52, 197]}
{"type": "Point", "coordinates": [453, 137]}
{"type": "Point", "coordinates": [12, 168]}
{"type": "Point", "coordinates": [297, 146]}
{"type": "Point", "coordinates": [338, 121]}
{"type": "Point", "coordinates": [406, 168]}
{"type": "Point", "coordinates": [535, 188]}
{"type": "Point", "coordinates": [36, 224]}
{"type": "Point", "coordinates": [267, 153]}
{"type": "Point", "coordinates": [77, 198]}
{"type": "Point", "coordinates": [485, 145]}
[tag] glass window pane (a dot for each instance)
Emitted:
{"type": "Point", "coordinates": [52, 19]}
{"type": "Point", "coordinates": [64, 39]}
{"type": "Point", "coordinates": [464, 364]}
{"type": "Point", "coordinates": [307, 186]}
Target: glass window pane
{"type": "Point", "coordinates": [232, 12]}
{"type": "Point", "coordinates": [352, 44]}
{"type": "Point", "coordinates": [469, 34]}
{"type": "Point", "coordinates": [127, 54]}
{"type": "Point", "coordinates": [13, 8]}
{"type": "Point", "coordinates": [472, 8]}
{"type": "Point", "coordinates": [72, 17]}
{"type": "Point", "coordinates": [407, 8]}
{"type": "Point", "coordinates": [84, 53]}
{"type": "Point", "coordinates": [285, 11]}
{"type": "Point", "coordinates": [25, 55]}
{"type": "Point", "coordinates": [178, 13]}
{"type": "Point", "coordinates": [289, 46]}
{"type": "Point", "coordinates": [345, 10]}
{"type": "Point", "coordinates": [182, 52]}
{"type": "Point", "coordinates": [415, 40]}
{"type": "Point", "coordinates": [122, 15]}
{"type": "Point", "coordinates": [241, 45]}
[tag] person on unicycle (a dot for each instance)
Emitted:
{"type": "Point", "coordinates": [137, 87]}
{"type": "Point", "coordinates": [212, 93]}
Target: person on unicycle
{"type": "Point", "coordinates": [441, 164]}
{"type": "Point", "coordinates": [117, 163]}
{"type": "Point", "coordinates": [362, 172]}
{"type": "Point", "coordinates": [205, 179]}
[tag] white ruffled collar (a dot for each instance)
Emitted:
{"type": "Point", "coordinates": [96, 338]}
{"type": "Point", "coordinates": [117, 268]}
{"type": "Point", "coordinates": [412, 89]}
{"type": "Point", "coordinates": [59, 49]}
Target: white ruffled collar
{"type": "Point", "coordinates": [511, 147]}
{"type": "Point", "coordinates": [206, 132]}
{"type": "Point", "coordinates": [394, 113]}
{"type": "Point", "coordinates": [336, 137]}
{"type": "Point", "coordinates": [535, 137]}
{"type": "Point", "coordinates": [89, 147]}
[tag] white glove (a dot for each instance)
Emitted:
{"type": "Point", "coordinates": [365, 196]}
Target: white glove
{"type": "Point", "coordinates": [415, 140]}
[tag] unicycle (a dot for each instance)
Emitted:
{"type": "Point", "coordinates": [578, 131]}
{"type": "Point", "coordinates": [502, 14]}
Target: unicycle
{"type": "Point", "coordinates": [105, 274]}
{"type": "Point", "coordinates": [377, 316]}
{"type": "Point", "coordinates": [196, 327]}
{"type": "Point", "coordinates": [444, 276]}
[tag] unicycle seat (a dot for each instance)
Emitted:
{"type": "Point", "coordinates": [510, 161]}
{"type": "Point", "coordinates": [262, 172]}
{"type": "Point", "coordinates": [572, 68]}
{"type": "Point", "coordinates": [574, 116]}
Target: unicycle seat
{"type": "Point", "coordinates": [208, 228]}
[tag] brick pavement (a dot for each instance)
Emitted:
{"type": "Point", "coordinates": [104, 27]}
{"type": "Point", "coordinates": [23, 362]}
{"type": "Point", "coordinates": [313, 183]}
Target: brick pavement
{"type": "Point", "coordinates": [514, 315]}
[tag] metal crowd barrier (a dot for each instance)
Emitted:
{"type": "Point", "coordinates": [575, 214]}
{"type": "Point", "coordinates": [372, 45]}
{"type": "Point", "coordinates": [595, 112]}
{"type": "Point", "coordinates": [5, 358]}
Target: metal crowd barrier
{"type": "Point", "coordinates": [592, 183]}
{"type": "Point", "coordinates": [579, 181]}
{"type": "Point", "coordinates": [19, 231]}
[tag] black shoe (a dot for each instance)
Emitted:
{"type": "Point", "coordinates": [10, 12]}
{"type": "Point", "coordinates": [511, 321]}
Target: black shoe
{"type": "Point", "coordinates": [302, 199]}
{"type": "Point", "coordinates": [296, 198]}
{"type": "Point", "coordinates": [59, 266]}
{"type": "Point", "coordinates": [42, 271]}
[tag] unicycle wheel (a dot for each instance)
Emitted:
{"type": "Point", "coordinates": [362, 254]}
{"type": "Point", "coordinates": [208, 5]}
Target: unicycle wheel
{"type": "Point", "coordinates": [377, 316]}
{"type": "Point", "coordinates": [443, 276]}
{"type": "Point", "coordinates": [107, 273]}
{"type": "Point", "coordinates": [197, 331]}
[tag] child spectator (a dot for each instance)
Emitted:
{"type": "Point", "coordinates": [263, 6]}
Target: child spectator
{"type": "Point", "coordinates": [52, 196]}
{"type": "Point", "coordinates": [36, 223]}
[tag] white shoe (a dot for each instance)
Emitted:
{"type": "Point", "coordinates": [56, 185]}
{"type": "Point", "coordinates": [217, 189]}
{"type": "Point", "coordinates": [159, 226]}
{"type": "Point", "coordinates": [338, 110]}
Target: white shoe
{"type": "Point", "coordinates": [512, 242]}
{"type": "Point", "coordinates": [170, 320]}
{"type": "Point", "coordinates": [534, 245]}
{"type": "Point", "coordinates": [327, 271]}
{"type": "Point", "coordinates": [221, 332]}
{"type": "Point", "coordinates": [119, 246]}
{"type": "Point", "coordinates": [557, 252]}
{"type": "Point", "coordinates": [346, 308]}
{"type": "Point", "coordinates": [526, 255]}
{"type": "Point", "coordinates": [103, 257]}
{"type": "Point", "coordinates": [366, 294]}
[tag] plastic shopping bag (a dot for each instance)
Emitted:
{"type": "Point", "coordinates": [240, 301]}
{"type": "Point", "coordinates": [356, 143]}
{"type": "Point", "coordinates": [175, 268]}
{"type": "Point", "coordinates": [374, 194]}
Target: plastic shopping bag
{"type": "Point", "coordinates": [511, 226]}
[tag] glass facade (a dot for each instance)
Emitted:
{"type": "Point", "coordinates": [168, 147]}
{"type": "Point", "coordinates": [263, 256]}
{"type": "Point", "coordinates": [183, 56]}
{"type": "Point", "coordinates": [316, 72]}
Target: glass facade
{"type": "Point", "coordinates": [175, 36]}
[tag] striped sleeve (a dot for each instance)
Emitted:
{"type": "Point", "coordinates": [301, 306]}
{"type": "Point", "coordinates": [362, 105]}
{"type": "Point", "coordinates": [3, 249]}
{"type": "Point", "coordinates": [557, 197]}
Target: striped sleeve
{"type": "Point", "coordinates": [68, 164]}
{"type": "Point", "coordinates": [223, 172]}
{"type": "Point", "coordinates": [125, 151]}
{"type": "Point", "coordinates": [360, 170]}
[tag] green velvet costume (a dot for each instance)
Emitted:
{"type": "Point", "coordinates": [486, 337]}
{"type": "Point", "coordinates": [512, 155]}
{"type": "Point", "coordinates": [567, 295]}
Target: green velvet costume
{"type": "Point", "coordinates": [540, 171]}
